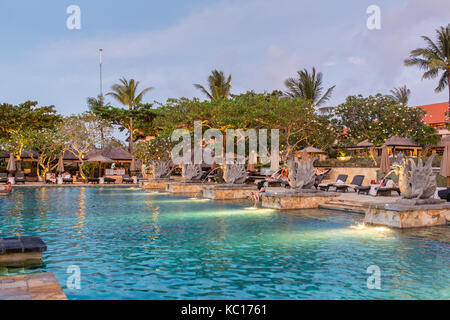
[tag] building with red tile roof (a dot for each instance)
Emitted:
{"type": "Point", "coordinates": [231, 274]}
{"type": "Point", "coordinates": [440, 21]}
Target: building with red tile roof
{"type": "Point", "coordinates": [437, 116]}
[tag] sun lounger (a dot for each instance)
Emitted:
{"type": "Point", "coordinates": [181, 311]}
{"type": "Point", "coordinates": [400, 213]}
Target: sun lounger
{"type": "Point", "coordinates": [93, 180]}
{"type": "Point", "coordinates": [126, 179]}
{"type": "Point", "coordinates": [356, 182]}
{"type": "Point", "coordinates": [67, 179]}
{"type": "Point", "coordinates": [109, 180]}
{"type": "Point", "coordinates": [50, 179]}
{"type": "Point", "coordinates": [3, 177]}
{"type": "Point", "coordinates": [326, 186]}
{"type": "Point", "coordinates": [19, 178]}
{"type": "Point", "coordinates": [381, 191]}
{"type": "Point", "coordinates": [444, 194]}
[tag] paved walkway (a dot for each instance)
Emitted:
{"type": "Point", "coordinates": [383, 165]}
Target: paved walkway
{"type": "Point", "coordinates": [39, 286]}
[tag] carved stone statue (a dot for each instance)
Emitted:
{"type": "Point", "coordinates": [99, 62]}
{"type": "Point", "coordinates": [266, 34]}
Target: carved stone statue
{"type": "Point", "coordinates": [416, 181]}
{"type": "Point", "coordinates": [235, 173]}
{"type": "Point", "coordinates": [192, 172]}
{"type": "Point", "coordinates": [301, 174]}
{"type": "Point", "coordinates": [161, 169]}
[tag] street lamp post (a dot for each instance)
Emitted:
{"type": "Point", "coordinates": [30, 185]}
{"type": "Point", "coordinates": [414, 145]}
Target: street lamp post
{"type": "Point", "coordinates": [101, 75]}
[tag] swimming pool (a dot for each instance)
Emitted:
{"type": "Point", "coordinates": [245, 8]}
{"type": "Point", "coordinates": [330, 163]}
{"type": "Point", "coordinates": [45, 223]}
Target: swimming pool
{"type": "Point", "coordinates": [133, 244]}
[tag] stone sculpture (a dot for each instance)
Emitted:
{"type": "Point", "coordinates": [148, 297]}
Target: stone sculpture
{"type": "Point", "coordinates": [161, 169]}
{"type": "Point", "coordinates": [416, 181]}
{"type": "Point", "coordinates": [301, 174]}
{"type": "Point", "coordinates": [235, 173]}
{"type": "Point", "coordinates": [192, 172]}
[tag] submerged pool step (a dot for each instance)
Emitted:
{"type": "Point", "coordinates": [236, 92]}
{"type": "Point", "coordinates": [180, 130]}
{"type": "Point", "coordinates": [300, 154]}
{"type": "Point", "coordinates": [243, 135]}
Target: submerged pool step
{"type": "Point", "coordinates": [347, 206]}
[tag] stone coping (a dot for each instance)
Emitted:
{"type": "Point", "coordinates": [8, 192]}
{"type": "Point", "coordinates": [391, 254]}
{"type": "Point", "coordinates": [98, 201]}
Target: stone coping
{"type": "Point", "coordinates": [393, 206]}
{"type": "Point", "coordinates": [234, 186]}
{"type": "Point", "coordinates": [21, 245]}
{"type": "Point", "coordinates": [291, 194]}
{"type": "Point", "coordinates": [38, 286]}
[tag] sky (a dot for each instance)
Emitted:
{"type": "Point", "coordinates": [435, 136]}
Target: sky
{"type": "Point", "coordinates": [170, 45]}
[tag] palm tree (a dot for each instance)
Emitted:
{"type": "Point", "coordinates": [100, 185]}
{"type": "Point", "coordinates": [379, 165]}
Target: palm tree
{"type": "Point", "coordinates": [308, 86]}
{"type": "Point", "coordinates": [434, 58]}
{"type": "Point", "coordinates": [401, 95]}
{"type": "Point", "coordinates": [94, 104]}
{"type": "Point", "coordinates": [219, 86]}
{"type": "Point", "coordinates": [126, 93]}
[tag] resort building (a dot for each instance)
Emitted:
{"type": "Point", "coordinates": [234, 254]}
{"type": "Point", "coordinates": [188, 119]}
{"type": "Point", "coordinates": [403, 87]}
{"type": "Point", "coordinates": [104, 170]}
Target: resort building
{"type": "Point", "coordinates": [437, 117]}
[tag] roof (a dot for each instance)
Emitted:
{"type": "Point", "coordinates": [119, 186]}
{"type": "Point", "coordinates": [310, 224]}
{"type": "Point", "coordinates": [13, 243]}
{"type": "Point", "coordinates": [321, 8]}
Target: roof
{"type": "Point", "coordinates": [401, 142]}
{"type": "Point", "coordinates": [25, 155]}
{"type": "Point", "coordinates": [312, 150]}
{"type": "Point", "coordinates": [365, 144]}
{"type": "Point", "coordinates": [436, 113]}
{"type": "Point", "coordinates": [99, 158]}
{"type": "Point", "coordinates": [69, 156]}
{"type": "Point", "coordinates": [113, 153]}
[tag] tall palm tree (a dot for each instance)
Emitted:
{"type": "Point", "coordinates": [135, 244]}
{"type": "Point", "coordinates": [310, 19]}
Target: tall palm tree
{"type": "Point", "coordinates": [126, 93]}
{"type": "Point", "coordinates": [219, 86]}
{"type": "Point", "coordinates": [93, 104]}
{"type": "Point", "coordinates": [308, 86]}
{"type": "Point", "coordinates": [401, 95]}
{"type": "Point", "coordinates": [434, 58]}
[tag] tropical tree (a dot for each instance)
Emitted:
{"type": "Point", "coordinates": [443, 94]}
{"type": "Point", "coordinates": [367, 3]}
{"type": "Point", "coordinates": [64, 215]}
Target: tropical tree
{"type": "Point", "coordinates": [376, 118]}
{"type": "Point", "coordinates": [400, 94]}
{"type": "Point", "coordinates": [82, 133]}
{"type": "Point", "coordinates": [19, 123]}
{"type": "Point", "coordinates": [96, 104]}
{"type": "Point", "coordinates": [308, 86]}
{"type": "Point", "coordinates": [219, 86]}
{"type": "Point", "coordinates": [434, 58]}
{"type": "Point", "coordinates": [49, 143]}
{"type": "Point", "coordinates": [126, 92]}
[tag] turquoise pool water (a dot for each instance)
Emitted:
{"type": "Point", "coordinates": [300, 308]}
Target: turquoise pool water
{"type": "Point", "coordinates": [133, 244]}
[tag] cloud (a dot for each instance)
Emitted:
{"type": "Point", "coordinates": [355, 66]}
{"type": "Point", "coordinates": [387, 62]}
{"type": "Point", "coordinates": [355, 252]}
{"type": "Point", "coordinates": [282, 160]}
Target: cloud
{"type": "Point", "coordinates": [356, 60]}
{"type": "Point", "coordinates": [260, 42]}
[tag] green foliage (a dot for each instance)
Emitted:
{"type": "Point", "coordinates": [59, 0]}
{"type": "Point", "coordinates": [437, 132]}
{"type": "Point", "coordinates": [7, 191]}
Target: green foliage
{"type": "Point", "coordinates": [434, 58]}
{"type": "Point", "coordinates": [296, 119]}
{"type": "Point", "coordinates": [158, 148]}
{"type": "Point", "coordinates": [400, 95]}
{"type": "Point", "coordinates": [219, 86]}
{"type": "Point", "coordinates": [376, 118]}
{"type": "Point", "coordinates": [19, 124]}
{"type": "Point", "coordinates": [308, 86]}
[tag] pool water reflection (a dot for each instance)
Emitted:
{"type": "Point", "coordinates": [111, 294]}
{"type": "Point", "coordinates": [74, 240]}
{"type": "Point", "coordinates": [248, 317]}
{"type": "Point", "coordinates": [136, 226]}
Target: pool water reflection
{"type": "Point", "coordinates": [133, 244]}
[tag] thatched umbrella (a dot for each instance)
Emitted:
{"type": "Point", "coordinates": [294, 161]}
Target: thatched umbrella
{"type": "Point", "coordinates": [133, 166]}
{"type": "Point", "coordinates": [60, 168]}
{"type": "Point", "coordinates": [445, 164]}
{"type": "Point", "coordinates": [385, 162]}
{"type": "Point", "coordinates": [11, 164]}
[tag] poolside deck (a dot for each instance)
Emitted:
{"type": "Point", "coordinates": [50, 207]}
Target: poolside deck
{"type": "Point", "coordinates": [38, 286]}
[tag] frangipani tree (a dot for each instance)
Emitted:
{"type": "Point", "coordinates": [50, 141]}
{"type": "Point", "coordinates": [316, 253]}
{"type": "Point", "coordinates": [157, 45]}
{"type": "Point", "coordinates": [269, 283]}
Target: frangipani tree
{"type": "Point", "coordinates": [82, 133]}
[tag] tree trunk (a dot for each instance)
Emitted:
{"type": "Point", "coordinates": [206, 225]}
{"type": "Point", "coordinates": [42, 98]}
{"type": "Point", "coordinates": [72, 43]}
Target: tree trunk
{"type": "Point", "coordinates": [448, 84]}
{"type": "Point", "coordinates": [130, 147]}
